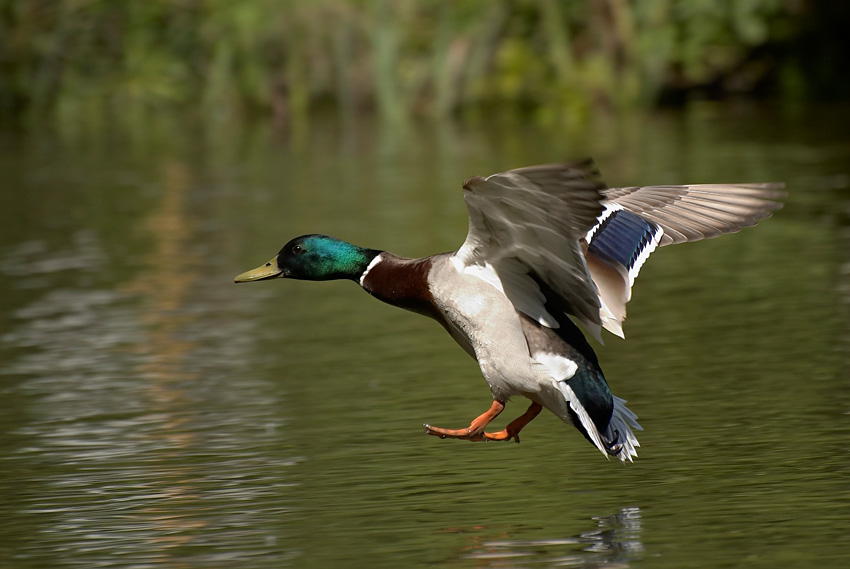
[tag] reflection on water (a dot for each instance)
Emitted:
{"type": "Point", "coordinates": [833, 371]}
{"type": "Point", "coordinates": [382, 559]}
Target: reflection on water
{"type": "Point", "coordinates": [614, 543]}
{"type": "Point", "coordinates": [156, 414]}
{"type": "Point", "coordinates": [129, 451]}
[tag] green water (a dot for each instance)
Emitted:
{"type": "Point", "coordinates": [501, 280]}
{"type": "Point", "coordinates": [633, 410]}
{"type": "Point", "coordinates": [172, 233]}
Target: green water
{"type": "Point", "coordinates": [156, 415]}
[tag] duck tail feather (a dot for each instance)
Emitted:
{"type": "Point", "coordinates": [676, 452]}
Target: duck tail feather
{"type": "Point", "coordinates": [583, 421]}
{"type": "Point", "coordinates": [619, 436]}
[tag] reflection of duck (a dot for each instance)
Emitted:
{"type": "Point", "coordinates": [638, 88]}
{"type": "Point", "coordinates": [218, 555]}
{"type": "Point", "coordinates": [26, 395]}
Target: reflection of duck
{"type": "Point", "coordinates": [544, 242]}
{"type": "Point", "coordinates": [614, 542]}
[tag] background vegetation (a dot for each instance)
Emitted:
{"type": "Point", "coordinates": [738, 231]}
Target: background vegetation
{"type": "Point", "coordinates": [407, 57]}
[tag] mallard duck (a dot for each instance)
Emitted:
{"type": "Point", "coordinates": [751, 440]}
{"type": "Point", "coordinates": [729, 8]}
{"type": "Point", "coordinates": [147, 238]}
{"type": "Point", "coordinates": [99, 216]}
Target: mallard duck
{"type": "Point", "coordinates": [546, 244]}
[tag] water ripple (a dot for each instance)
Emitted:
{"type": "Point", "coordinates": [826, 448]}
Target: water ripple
{"type": "Point", "coordinates": [147, 447]}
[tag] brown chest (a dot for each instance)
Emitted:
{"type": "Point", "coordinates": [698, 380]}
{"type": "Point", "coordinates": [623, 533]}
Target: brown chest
{"type": "Point", "coordinates": [401, 282]}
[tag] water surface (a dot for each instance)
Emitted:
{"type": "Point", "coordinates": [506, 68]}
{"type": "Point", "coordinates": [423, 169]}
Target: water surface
{"type": "Point", "coordinates": [155, 414]}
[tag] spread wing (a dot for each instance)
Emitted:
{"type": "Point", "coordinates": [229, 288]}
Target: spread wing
{"type": "Point", "coordinates": [636, 220]}
{"type": "Point", "coordinates": [558, 223]}
{"type": "Point", "coordinates": [530, 221]}
{"type": "Point", "coordinates": [700, 211]}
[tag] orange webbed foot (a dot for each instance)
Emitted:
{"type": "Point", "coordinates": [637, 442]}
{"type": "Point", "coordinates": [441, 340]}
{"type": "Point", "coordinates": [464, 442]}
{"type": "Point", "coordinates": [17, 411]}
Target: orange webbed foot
{"type": "Point", "coordinates": [468, 434]}
{"type": "Point", "coordinates": [475, 431]}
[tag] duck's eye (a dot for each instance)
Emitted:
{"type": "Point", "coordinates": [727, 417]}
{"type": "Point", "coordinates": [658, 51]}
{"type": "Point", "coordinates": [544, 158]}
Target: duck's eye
{"type": "Point", "coordinates": [297, 249]}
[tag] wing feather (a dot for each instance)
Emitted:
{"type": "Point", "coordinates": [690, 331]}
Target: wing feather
{"type": "Point", "coordinates": [530, 221]}
{"type": "Point", "coordinates": [699, 211]}
{"type": "Point", "coordinates": [557, 223]}
{"type": "Point", "coordinates": [674, 214]}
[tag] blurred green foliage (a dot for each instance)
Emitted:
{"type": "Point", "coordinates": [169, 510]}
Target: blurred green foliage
{"type": "Point", "coordinates": [404, 57]}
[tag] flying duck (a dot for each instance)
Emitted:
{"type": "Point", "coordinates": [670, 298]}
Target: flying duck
{"type": "Point", "coordinates": [548, 246]}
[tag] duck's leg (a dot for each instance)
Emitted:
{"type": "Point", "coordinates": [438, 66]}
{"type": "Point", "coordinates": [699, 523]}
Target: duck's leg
{"type": "Point", "coordinates": [475, 431]}
{"type": "Point", "coordinates": [515, 426]}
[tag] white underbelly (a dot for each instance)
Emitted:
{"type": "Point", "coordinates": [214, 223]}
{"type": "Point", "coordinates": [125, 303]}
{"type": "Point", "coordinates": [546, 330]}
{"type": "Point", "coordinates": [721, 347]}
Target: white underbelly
{"type": "Point", "coordinates": [482, 319]}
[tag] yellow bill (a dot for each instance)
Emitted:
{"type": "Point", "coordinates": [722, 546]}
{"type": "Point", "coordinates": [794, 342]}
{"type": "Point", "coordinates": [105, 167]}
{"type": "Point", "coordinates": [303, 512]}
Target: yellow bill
{"type": "Point", "coordinates": [268, 271]}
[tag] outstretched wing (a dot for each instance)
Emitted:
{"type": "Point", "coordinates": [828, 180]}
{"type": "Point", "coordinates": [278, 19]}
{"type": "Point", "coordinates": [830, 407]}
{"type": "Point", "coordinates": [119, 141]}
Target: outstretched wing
{"type": "Point", "coordinates": [636, 220]}
{"type": "Point", "coordinates": [700, 211]}
{"type": "Point", "coordinates": [530, 221]}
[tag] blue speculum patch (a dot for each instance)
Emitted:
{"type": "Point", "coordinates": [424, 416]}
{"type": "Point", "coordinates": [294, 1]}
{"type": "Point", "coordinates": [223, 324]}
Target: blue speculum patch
{"type": "Point", "coordinates": [621, 237]}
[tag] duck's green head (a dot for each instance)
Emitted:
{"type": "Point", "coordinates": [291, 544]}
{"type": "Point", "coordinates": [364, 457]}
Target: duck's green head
{"type": "Point", "coordinates": [314, 258]}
